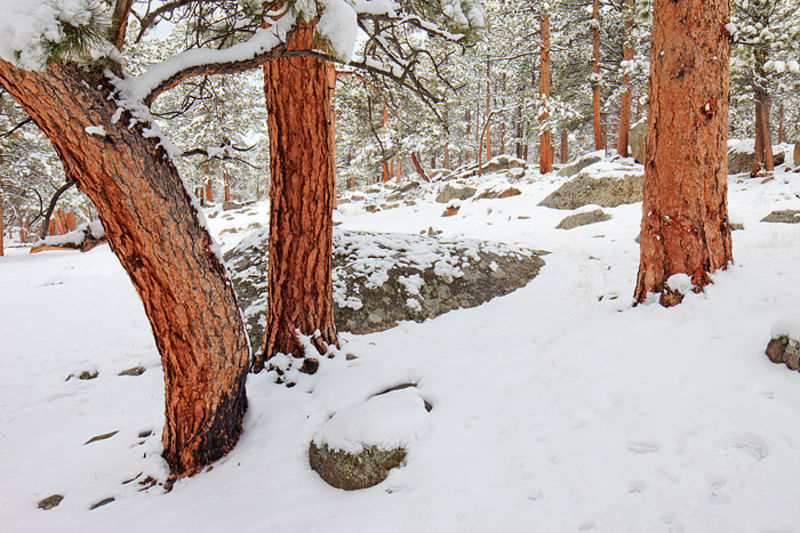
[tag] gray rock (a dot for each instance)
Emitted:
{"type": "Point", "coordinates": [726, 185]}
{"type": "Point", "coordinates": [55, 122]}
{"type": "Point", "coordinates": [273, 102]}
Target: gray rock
{"type": "Point", "coordinates": [229, 206]}
{"type": "Point", "coordinates": [354, 471]}
{"type": "Point", "coordinates": [638, 141]}
{"type": "Point", "coordinates": [605, 192]}
{"type": "Point", "coordinates": [485, 270]}
{"type": "Point", "coordinates": [582, 219]}
{"type": "Point", "coordinates": [578, 165]}
{"type": "Point", "coordinates": [502, 162]}
{"type": "Point", "coordinates": [742, 162]}
{"type": "Point", "coordinates": [134, 371]}
{"type": "Point", "coordinates": [450, 192]}
{"type": "Point", "coordinates": [784, 350]}
{"type": "Point", "coordinates": [788, 216]}
{"type": "Point", "coordinates": [495, 193]}
{"type": "Point", "coordinates": [50, 502]}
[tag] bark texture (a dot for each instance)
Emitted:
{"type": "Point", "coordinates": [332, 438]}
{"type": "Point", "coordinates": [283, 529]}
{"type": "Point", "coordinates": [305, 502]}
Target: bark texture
{"type": "Point", "coordinates": [152, 227]}
{"type": "Point", "coordinates": [598, 135]}
{"type": "Point", "coordinates": [685, 212]}
{"type": "Point", "coordinates": [301, 202]}
{"type": "Point", "coordinates": [625, 100]}
{"type": "Point", "coordinates": [545, 138]}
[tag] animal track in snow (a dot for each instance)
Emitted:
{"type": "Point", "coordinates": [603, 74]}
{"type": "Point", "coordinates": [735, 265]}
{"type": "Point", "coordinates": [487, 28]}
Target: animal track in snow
{"type": "Point", "coordinates": [643, 446]}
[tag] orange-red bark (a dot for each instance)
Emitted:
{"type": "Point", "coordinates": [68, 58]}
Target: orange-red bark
{"type": "Point", "coordinates": [685, 212]}
{"type": "Point", "coordinates": [303, 189]}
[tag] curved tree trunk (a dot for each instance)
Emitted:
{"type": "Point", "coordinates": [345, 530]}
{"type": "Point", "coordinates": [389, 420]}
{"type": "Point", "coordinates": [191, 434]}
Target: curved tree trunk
{"type": "Point", "coordinates": [685, 211]}
{"type": "Point", "coordinates": [154, 231]}
{"type": "Point", "coordinates": [301, 203]}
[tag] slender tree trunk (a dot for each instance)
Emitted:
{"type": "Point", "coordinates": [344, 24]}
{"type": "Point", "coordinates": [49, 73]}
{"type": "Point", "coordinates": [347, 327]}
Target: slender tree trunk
{"type": "Point", "coordinates": [154, 231]}
{"type": "Point", "coordinates": [209, 192]}
{"type": "Point", "coordinates": [765, 110]}
{"type": "Point", "coordinates": [685, 213]}
{"type": "Point", "coordinates": [545, 139]}
{"type": "Point", "coordinates": [418, 167]}
{"type": "Point", "coordinates": [780, 123]}
{"type": "Point", "coordinates": [227, 184]}
{"type": "Point", "coordinates": [758, 145]}
{"type": "Point", "coordinates": [564, 147]}
{"type": "Point", "coordinates": [303, 188]}
{"type": "Point", "coordinates": [625, 101]}
{"type": "Point", "coordinates": [488, 110]}
{"type": "Point", "coordinates": [598, 141]}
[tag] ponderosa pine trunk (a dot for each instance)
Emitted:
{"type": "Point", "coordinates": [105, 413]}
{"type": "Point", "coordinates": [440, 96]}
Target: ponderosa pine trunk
{"type": "Point", "coordinates": [302, 195]}
{"type": "Point", "coordinates": [625, 100]}
{"type": "Point", "coordinates": [685, 211]}
{"type": "Point", "coordinates": [545, 138]}
{"type": "Point", "coordinates": [564, 147]}
{"type": "Point", "coordinates": [598, 134]}
{"type": "Point", "coordinates": [152, 227]}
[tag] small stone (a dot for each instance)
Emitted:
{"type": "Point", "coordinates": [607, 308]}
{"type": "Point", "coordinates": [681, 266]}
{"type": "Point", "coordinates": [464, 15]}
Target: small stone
{"type": "Point", "coordinates": [88, 374]}
{"type": "Point", "coordinates": [50, 502]}
{"type": "Point", "coordinates": [104, 436]}
{"type": "Point", "coordinates": [135, 371]}
{"type": "Point", "coordinates": [146, 433]}
{"type": "Point", "coordinates": [101, 503]}
{"type": "Point", "coordinates": [582, 219]}
{"type": "Point", "coordinates": [736, 226]}
{"type": "Point", "coordinates": [450, 210]}
{"type": "Point", "coordinates": [310, 365]}
{"type": "Point", "coordinates": [350, 357]}
{"type": "Point", "coordinates": [371, 208]}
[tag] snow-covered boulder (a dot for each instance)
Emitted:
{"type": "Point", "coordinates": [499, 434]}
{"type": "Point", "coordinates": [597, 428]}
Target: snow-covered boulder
{"type": "Point", "coordinates": [784, 344]}
{"type": "Point", "coordinates": [360, 445]}
{"type": "Point", "coordinates": [740, 155]}
{"type": "Point", "coordinates": [605, 191]}
{"type": "Point", "coordinates": [452, 192]}
{"type": "Point", "coordinates": [380, 279]}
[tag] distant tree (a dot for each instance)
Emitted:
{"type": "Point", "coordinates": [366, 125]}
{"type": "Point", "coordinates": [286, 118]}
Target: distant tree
{"type": "Point", "coordinates": [685, 213]}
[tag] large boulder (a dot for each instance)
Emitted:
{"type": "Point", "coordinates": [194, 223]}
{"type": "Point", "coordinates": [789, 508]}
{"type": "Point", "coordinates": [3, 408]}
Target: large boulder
{"type": "Point", "coordinates": [585, 189]}
{"type": "Point", "coordinates": [638, 141]}
{"type": "Point", "coordinates": [579, 164]}
{"type": "Point", "coordinates": [740, 157]}
{"type": "Point", "coordinates": [380, 279]}
{"type": "Point", "coordinates": [583, 219]}
{"type": "Point", "coordinates": [451, 192]}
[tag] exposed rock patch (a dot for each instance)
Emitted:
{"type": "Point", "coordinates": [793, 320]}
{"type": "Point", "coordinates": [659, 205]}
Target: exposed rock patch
{"type": "Point", "coordinates": [353, 471]}
{"type": "Point", "coordinates": [638, 141]}
{"type": "Point", "coordinates": [579, 164]}
{"type": "Point", "coordinates": [451, 192]}
{"type": "Point", "coordinates": [50, 502]}
{"type": "Point", "coordinates": [583, 219]}
{"type": "Point", "coordinates": [784, 350]}
{"type": "Point", "coordinates": [787, 216]}
{"type": "Point", "coordinates": [603, 191]}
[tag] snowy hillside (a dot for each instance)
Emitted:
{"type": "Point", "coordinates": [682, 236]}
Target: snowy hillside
{"type": "Point", "coordinates": [558, 407]}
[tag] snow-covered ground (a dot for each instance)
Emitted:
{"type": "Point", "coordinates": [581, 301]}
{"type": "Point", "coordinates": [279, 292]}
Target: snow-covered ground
{"type": "Point", "coordinates": [559, 407]}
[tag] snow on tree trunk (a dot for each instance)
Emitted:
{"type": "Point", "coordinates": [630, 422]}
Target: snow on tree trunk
{"type": "Point", "coordinates": [301, 203]}
{"type": "Point", "coordinates": [685, 212]}
{"type": "Point", "coordinates": [545, 140]}
{"type": "Point", "coordinates": [152, 227]}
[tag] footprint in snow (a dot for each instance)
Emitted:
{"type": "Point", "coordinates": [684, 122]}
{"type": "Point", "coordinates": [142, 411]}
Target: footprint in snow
{"type": "Point", "coordinates": [743, 447]}
{"type": "Point", "coordinates": [643, 446]}
{"type": "Point", "coordinates": [637, 486]}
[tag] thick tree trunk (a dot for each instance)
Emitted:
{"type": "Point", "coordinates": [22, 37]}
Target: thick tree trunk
{"type": "Point", "coordinates": [154, 231]}
{"type": "Point", "coordinates": [545, 138]}
{"type": "Point", "coordinates": [625, 101]}
{"type": "Point", "coordinates": [303, 178]}
{"type": "Point", "coordinates": [598, 140]}
{"type": "Point", "coordinates": [685, 211]}
{"type": "Point", "coordinates": [758, 144]}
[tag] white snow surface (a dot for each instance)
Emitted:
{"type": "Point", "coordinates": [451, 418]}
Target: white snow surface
{"type": "Point", "coordinates": [559, 407]}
